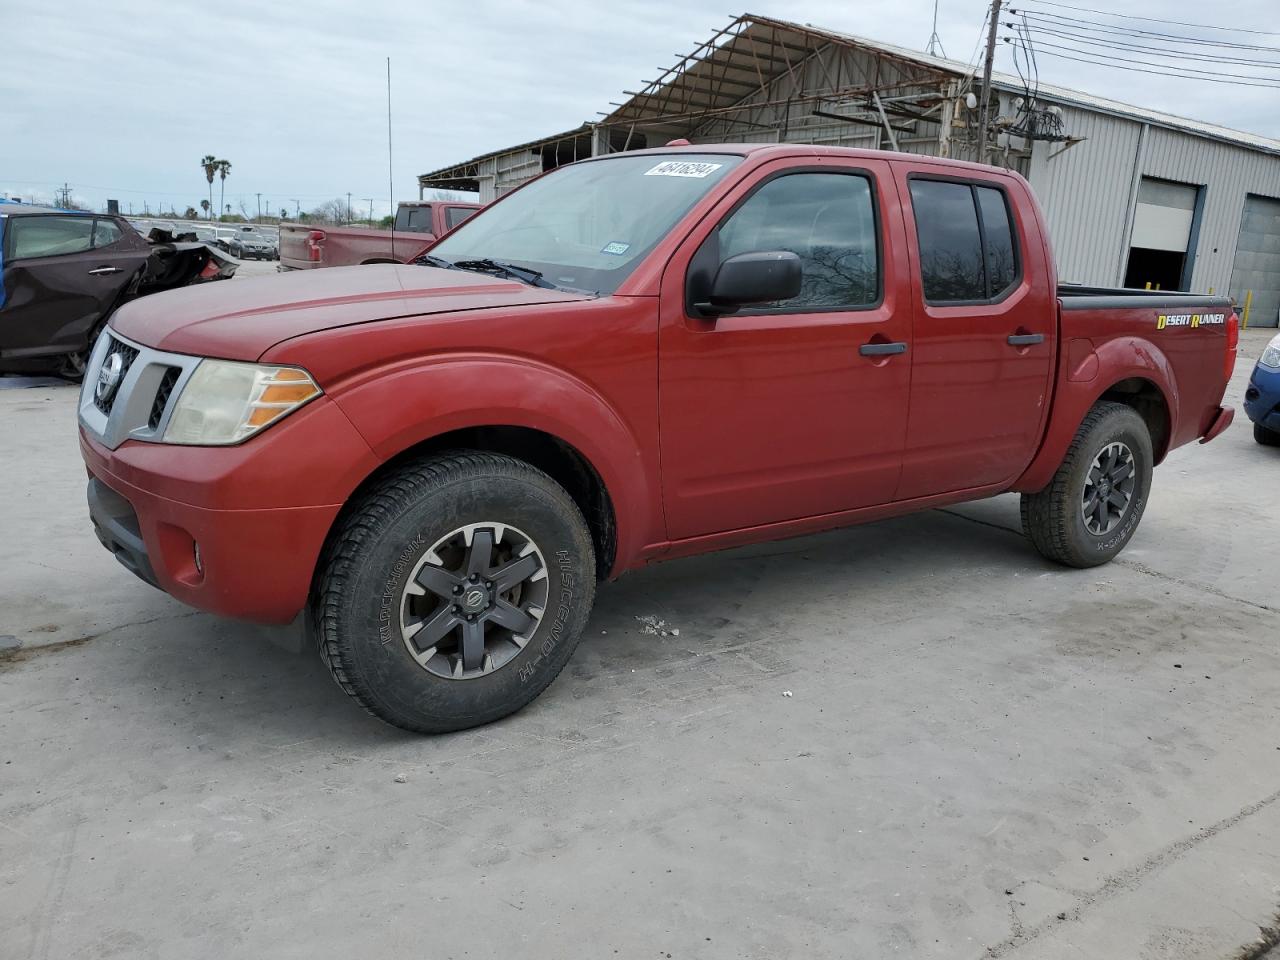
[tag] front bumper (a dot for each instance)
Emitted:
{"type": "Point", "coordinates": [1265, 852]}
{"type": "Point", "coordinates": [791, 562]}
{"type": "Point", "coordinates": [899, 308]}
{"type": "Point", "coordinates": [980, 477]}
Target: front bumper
{"type": "Point", "coordinates": [257, 513]}
{"type": "Point", "coordinates": [1262, 397]}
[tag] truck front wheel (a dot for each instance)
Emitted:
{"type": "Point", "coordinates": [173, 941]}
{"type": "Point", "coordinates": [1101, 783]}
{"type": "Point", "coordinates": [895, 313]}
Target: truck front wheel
{"type": "Point", "coordinates": [1093, 505]}
{"type": "Point", "coordinates": [454, 591]}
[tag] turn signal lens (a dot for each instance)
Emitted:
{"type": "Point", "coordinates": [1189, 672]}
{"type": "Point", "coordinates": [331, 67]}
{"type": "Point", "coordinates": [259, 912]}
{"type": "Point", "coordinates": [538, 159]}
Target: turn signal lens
{"type": "Point", "coordinates": [226, 402]}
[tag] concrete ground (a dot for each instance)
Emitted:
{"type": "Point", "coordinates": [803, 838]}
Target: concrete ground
{"type": "Point", "coordinates": [981, 755]}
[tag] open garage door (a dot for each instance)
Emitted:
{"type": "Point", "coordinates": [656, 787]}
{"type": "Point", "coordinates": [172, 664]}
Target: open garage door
{"type": "Point", "coordinates": [1257, 263]}
{"type": "Point", "coordinates": [1162, 247]}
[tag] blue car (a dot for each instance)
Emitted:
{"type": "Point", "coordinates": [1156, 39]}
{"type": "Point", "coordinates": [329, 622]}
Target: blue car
{"type": "Point", "coordinates": [1262, 398]}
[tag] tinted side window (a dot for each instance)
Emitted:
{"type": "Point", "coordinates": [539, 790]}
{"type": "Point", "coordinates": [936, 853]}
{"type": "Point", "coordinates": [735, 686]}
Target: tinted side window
{"type": "Point", "coordinates": [417, 219]}
{"type": "Point", "coordinates": [828, 220]}
{"type": "Point", "coordinates": [49, 236]}
{"type": "Point", "coordinates": [455, 215]}
{"type": "Point", "coordinates": [1002, 261]}
{"type": "Point", "coordinates": [105, 233]}
{"type": "Point", "coordinates": [950, 244]}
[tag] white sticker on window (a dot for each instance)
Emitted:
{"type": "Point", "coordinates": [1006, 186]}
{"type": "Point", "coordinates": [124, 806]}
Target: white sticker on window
{"type": "Point", "coordinates": [683, 168]}
{"type": "Point", "coordinates": [615, 248]}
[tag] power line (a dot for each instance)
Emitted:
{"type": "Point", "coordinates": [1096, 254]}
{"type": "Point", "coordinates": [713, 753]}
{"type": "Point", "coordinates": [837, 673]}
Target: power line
{"type": "Point", "coordinates": [1074, 23]}
{"type": "Point", "coordinates": [1095, 62]}
{"type": "Point", "coordinates": [1176, 23]}
{"type": "Point", "coordinates": [1181, 70]}
{"type": "Point", "coordinates": [1108, 43]}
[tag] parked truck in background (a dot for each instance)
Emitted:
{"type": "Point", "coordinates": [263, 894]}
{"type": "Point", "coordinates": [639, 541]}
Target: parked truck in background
{"type": "Point", "coordinates": [632, 358]}
{"type": "Point", "coordinates": [418, 223]}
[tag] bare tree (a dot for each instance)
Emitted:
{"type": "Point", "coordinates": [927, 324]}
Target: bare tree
{"type": "Point", "coordinates": [331, 211]}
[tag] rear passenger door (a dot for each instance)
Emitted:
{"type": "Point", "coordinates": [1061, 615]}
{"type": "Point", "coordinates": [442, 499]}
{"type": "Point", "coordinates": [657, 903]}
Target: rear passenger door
{"type": "Point", "coordinates": [798, 408]}
{"type": "Point", "coordinates": [62, 275]}
{"type": "Point", "coordinates": [984, 335]}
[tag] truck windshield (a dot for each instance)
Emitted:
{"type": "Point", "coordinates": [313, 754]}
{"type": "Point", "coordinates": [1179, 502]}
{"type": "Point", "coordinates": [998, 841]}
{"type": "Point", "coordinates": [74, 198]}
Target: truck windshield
{"type": "Point", "coordinates": [588, 225]}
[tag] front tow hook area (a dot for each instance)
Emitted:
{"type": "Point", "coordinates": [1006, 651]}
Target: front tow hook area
{"type": "Point", "coordinates": [116, 525]}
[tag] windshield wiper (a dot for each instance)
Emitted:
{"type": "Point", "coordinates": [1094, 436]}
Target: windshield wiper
{"type": "Point", "coordinates": [524, 274]}
{"type": "Point", "coordinates": [427, 260]}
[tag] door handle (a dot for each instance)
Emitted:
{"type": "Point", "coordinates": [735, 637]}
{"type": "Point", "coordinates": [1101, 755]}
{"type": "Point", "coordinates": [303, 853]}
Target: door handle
{"type": "Point", "coordinates": [103, 271]}
{"type": "Point", "coordinates": [882, 349]}
{"type": "Point", "coordinates": [1025, 339]}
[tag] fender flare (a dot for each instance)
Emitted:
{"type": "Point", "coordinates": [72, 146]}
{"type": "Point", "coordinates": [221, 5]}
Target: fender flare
{"type": "Point", "coordinates": [458, 391]}
{"type": "Point", "coordinates": [1124, 358]}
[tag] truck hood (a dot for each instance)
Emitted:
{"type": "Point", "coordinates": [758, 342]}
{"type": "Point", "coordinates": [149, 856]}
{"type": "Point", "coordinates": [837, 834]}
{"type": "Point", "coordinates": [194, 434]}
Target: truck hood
{"type": "Point", "coordinates": [243, 318]}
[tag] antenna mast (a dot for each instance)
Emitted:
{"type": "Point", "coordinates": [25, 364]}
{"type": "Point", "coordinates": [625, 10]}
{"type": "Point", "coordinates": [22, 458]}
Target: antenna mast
{"type": "Point", "coordinates": [934, 47]}
{"type": "Point", "coordinates": [391, 181]}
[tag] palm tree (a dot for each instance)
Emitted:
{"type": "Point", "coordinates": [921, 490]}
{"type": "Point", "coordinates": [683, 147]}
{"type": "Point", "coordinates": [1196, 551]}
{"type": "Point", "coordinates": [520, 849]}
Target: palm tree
{"type": "Point", "coordinates": [210, 164]}
{"type": "Point", "coordinates": [204, 205]}
{"type": "Point", "coordinates": [224, 167]}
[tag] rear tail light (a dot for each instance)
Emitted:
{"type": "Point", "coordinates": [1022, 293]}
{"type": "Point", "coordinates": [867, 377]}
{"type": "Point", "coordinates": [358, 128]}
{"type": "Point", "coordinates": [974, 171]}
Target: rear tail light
{"type": "Point", "coordinates": [1233, 341]}
{"type": "Point", "coordinates": [314, 239]}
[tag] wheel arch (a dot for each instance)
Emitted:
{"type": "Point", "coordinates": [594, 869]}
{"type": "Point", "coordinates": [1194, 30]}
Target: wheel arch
{"type": "Point", "coordinates": [560, 460]}
{"type": "Point", "coordinates": [1146, 397]}
{"type": "Point", "coordinates": [1129, 371]}
{"type": "Point", "coordinates": [524, 404]}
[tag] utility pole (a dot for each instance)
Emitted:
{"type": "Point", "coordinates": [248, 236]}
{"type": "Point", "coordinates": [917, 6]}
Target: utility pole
{"type": "Point", "coordinates": [370, 199]}
{"type": "Point", "coordinates": [260, 195]}
{"type": "Point", "coordinates": [297, 210]}
{"type": "Point", "coordinates": [348, 208]}
{"type": "Point", "coordinates": [985, 106]}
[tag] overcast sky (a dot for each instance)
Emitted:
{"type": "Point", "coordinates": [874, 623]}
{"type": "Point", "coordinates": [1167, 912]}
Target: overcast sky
{"type": "Point", "coordinates": [123, 98]}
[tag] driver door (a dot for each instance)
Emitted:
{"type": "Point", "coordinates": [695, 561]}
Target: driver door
{"type": "Point", "coordinates": [793, 409]}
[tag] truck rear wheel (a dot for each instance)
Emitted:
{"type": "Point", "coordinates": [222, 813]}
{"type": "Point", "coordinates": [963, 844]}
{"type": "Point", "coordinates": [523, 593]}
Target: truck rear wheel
{"type": "Point", "coordinates": [1092, 506]}
{"type": "Point", "coordinates": [454, 591]}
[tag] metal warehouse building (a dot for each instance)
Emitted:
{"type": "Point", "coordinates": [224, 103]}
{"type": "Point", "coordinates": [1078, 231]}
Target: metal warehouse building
{"type": "Point", "coordinates": [1132, 196]}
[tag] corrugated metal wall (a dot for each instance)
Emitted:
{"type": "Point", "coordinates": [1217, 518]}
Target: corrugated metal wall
{"type": "Point", "coordinates": [833, 67]}
{"type": "Point", "coordinates": [1228, 174]}
{"type": "Point", "coordinates": [1084, 191]}
{"type": "Point", "coordinates": [1087, 194]}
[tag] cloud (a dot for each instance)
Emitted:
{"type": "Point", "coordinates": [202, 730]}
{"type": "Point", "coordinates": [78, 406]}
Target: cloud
{"type": "Point", "coordinates": [123, 100]}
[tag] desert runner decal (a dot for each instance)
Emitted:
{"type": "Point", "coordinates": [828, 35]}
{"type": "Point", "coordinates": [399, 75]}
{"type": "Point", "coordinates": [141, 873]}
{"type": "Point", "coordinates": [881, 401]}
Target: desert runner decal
{"type": "Point", "coordinates": [1189, 320]}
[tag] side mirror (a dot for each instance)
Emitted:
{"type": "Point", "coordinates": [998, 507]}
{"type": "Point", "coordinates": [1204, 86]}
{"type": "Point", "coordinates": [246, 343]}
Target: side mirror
{"type": "Point", "coordinates": [760, 277]}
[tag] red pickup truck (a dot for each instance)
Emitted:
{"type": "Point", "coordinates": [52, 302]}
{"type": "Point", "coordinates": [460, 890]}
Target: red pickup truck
{"type": "Point", "coordinates": [305, 247]}
{"type": "Point", "coordinates": [632, 358]}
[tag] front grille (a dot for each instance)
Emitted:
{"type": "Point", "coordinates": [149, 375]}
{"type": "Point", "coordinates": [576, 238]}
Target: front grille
{"type": "Point", "coordinates": [129, 390]}
{"type": "Point", "coordinates": [128, 354]}
{"type": "Point", "coordinates": [163, 392]}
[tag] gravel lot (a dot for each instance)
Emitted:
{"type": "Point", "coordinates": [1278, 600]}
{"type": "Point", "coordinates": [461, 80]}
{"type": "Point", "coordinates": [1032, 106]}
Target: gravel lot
{"type": "Point", "coordinates": [981, 755]}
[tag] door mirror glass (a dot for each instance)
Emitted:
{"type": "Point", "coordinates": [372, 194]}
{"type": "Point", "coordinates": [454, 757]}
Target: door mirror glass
{"type": "Point", "coordinates": [765, 276]}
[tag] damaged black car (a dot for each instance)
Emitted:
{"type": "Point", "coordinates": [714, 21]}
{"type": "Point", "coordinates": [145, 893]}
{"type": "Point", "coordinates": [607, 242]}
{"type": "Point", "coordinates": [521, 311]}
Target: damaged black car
{"type": "Point", "coordinates": [66, 271]}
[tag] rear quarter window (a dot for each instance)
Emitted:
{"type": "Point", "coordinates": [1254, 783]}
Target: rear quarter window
{"type": "Point", "coordinates": [49, 236]}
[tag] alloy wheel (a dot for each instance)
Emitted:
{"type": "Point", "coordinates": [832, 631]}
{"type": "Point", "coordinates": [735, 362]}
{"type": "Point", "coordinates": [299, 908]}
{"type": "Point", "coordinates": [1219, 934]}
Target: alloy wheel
{"type": "Point", "coordinates": [1108, 488]}
{"type": "Point", "coordinates": [473, 601]}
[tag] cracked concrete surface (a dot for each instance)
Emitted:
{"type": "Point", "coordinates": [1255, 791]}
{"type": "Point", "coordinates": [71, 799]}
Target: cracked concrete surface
{"type": "Point", "coordinates": [966, 720]}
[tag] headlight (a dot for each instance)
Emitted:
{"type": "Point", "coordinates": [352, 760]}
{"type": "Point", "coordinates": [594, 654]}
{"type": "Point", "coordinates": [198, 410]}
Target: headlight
{"type": "Point", "coordinates": [1271, 356]}
{"type": "Point", "coordinates": [225, 402]}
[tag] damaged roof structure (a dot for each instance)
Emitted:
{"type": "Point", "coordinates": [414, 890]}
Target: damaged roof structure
{"type": "Point", "coordinates": [1099, 166]}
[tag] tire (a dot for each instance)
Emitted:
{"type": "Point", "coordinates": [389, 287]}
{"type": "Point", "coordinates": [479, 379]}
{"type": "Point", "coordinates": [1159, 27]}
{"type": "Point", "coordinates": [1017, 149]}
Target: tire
{"type": "Point", "coordinates": [408, 528]}
{"type": "Point", "coordinates": [1266, 436]}
{"type": "Point", "coordinates": [72, 366]}
{"type": "Point", "coordinates": [1056, 520]}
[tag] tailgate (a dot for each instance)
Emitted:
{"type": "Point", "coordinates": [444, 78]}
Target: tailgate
{"type": "Point", "coordinates": [295, 248]}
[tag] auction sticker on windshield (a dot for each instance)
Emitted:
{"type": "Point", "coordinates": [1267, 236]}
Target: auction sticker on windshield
{"type": "Point", "coordinates": [683, 168]}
